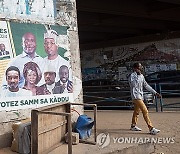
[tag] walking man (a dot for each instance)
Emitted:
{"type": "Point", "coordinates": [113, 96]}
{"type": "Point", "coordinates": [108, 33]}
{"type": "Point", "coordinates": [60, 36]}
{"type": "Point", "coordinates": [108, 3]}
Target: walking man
{"type": "Point", "coordinates": [137, 82]}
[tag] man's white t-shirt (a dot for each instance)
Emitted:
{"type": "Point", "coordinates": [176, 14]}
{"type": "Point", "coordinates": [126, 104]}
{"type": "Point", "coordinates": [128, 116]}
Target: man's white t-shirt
{"type": "Point", "coordinates": [20, 92]}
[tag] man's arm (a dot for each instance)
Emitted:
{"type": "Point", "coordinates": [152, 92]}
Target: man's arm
{"type": "Point", "coordinates": [149, 88]}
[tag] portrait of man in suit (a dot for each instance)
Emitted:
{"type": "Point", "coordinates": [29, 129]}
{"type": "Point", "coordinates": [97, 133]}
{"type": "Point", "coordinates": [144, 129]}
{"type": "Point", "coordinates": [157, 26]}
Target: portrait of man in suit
{"type": "Point", "coordinates": [64, 79]}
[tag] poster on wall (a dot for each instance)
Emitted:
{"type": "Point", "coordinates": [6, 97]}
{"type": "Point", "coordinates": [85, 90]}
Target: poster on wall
{"type": "Point", "coordinates": [6, 52]}
{"type": "Point", "coordinates": [34, 70]}
{"type": "Point", "coordinates": [37, 10]}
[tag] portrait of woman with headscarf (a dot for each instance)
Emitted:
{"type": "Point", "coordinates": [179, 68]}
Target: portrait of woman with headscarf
{"type": "Point", "coordinates": [32, 76]}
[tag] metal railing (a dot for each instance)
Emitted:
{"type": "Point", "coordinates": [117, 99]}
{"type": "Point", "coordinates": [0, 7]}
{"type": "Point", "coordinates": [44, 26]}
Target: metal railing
{"type": "Point", "coordinates": [149, 99]}
{"type": "Point", "coordinates": [119, 98]}
{"type": "Point", "coordinates": [109, 97]}
{"type": "Point", "coordinates": [170, 90]}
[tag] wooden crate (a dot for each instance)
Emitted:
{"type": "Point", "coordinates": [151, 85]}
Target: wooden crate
{"type": "Point", "coordinates": [48, 128]}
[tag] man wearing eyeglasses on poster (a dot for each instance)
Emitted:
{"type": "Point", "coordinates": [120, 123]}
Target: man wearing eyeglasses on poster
{"type": "Point", "coordinates": [51, 48]}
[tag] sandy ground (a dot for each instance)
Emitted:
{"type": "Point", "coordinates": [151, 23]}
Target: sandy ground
{"type": "Point", "coordinates": [117, 124]}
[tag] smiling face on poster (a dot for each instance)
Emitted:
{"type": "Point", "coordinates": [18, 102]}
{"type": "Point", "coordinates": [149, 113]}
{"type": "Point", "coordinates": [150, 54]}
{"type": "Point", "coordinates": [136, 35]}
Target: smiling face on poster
{"type": "Point", "coordinates": [37, 57]}
{"type": "Point", "coordinates": [29, 43]}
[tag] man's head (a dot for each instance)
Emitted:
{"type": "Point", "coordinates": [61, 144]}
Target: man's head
{"type": "Point", "coordinates": [2, 47]}
{"type": "Point", "coordinates": [29, 44]}
{"type": "Point", "coordinates": [50, 43]}
{"type": "Point", "coordinates": [49, 75]}
{"type": "Point", "coordinates": [64, 73]}
{"type": "Point", "coordinates": [138, 67]}
{"type": "Point", "coordinates": [12, 78]}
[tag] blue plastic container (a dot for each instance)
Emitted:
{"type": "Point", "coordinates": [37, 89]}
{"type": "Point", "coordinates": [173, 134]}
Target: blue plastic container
{"type": "Point", "coordinates": [84, 126]}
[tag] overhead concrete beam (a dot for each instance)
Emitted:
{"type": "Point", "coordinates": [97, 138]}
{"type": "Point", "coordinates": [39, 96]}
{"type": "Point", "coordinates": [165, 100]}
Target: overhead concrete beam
{"type": "Point", "coordinates": [170, 1]}
{"type": "Point", "coordinates": [127, 8]}
{"type": "Point", "coordinates": [131, 40]}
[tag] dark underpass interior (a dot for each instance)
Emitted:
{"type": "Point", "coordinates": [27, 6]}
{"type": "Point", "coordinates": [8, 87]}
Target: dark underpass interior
{"type": "Point", "coordinates": [105, 23]}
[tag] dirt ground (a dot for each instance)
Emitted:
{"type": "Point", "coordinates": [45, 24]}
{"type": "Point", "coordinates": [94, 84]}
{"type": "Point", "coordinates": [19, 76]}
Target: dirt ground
{"type": "Point", "coordinates": [117, 123]}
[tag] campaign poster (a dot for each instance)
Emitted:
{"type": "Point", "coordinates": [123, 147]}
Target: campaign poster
{"type": "Point", "coordinates": [34, 10]}
{"type": "Point", "coordinates": [34, 71]}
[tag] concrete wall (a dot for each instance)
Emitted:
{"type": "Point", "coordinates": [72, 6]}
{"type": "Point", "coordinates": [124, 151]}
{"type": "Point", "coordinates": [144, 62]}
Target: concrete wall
{"type": "Point", "coordinates": [114, 61]}
{"type": "Point", "coordinates": [65, 16]}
